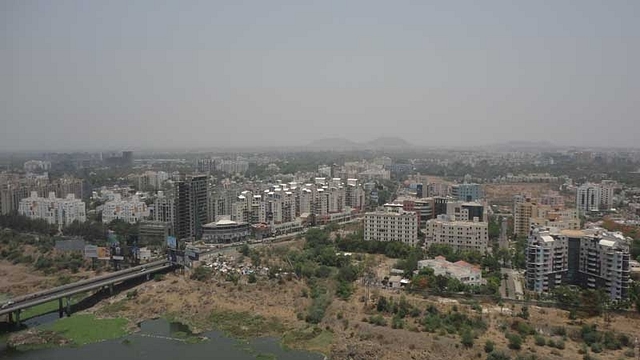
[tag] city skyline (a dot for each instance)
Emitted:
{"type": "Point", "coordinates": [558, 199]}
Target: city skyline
{"type": "Point", "coordinates": [87, 75]}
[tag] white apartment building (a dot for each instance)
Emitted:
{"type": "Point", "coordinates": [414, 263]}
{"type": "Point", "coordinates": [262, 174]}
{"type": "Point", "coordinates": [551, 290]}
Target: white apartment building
{"type": "Point", "coordinates": [591, 258]}
{"type": "Point", "coordinates": [129, 210]}
{"type": "Point", "coordinates": [37, 165]}
{"type": "Point", "coordinates": [460, 235]}
{"type": "Point", "coordinates": [392, 224]}
{"type": "Point", "coordinates": [595, 197]}
{"type": "Point", "coordinates": [54, 210]}
{"type": "Point", "coordinates": [164, 208]}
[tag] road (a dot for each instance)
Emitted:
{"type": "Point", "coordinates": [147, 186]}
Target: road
{"type": "Point", "coordinates": [514, 285]}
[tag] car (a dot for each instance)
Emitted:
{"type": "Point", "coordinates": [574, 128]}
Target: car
{"type": "Point", "coordinates": [143, 269]}
{"type": "Point", "coordinates": [7, 304]}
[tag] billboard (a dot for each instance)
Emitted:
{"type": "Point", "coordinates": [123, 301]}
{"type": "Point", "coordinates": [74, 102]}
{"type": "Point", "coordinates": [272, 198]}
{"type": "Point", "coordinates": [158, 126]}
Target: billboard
{"type": "Point", "coordinates": [171, 242]}
{"type": "Point", "coordinates": [104, 253]}
{"type": "Point", "coordinates": [90, 251]}
{"type": "Point", "coordinates": [192, 253]}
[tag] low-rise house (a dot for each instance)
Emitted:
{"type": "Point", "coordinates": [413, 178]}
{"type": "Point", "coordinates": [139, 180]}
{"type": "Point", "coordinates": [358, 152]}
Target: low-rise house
{"type": "Point", "coordinates": [466, 273]}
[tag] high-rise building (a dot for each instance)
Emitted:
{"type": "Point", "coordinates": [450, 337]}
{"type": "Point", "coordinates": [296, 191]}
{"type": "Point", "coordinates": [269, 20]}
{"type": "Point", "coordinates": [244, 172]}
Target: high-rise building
{"type": "Point", "coordinates": [392, 224]}
{"type": "Point", "coordinates": [588, 197]}
{"type": "Point", "coordinates": [591, 258]}
{"type": "Point", "coordinates": [164, 208]}
{"type": "Point", "coordinates": [191, 206]}
{"type": "Point", "coordinates": [460, 235]}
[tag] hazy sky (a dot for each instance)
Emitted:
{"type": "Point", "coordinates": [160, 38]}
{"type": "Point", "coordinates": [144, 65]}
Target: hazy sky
{"type": "Point", "coordinates": [138, 74]}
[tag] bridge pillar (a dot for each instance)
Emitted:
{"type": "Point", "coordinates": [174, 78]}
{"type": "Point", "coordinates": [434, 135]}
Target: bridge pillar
{"type": "Point", "coordinates": [110, 289]}
{"type": "Point", "coordinates": [148, 277]}
{"type": "Point", "coordinates": [68, 306]}
{"type": "Point", "coordinates": [60, 308]}
{"type": "Point", "coordinates": [17, 312]}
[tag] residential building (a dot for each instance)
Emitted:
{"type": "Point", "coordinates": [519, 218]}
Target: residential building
{"type": "Point", "coordinates": [58, 211]}
{"type": "Point", "coordinates": [37, 165]}
{"type": "Point", "coordinates": [461, 270]}
{"type": "Point", "coordinates": [392, 224]}
{"type": "Point", "coordinates": [191, 206]}
{"type": "Point", "coordinates": [591, 258]}
{"type": "Point", "coordinates": [130, 210]}
{"type": "Point", "coordinates": [460, 235]}
{"type": "Point", "coordinates": [164, 208]}
{"type": "Point", "coordinates": [588, 197]}
{"type": "Point", "coordinates": [528, 213]}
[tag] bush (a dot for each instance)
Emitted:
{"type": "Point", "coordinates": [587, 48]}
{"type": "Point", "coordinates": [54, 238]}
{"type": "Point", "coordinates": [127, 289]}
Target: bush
{"type": "Point", "coordinates": [539, 340]}
{"type": "Point", "coordinates": [489, 346]}
{"type": "Point", "coordinates": [560, 344]}
{"type": "Point", "coordinates": [596, 348]}
{"type": "Point", "coordinates": [467, 338]}
{"type": "Point", "coordinates": [252, 279]}
{"type": "Point", "coordinates": [498, 355]}
{"type": "Point", "coordinates": [515, 341]}
{"type": "Point", "coordinates": [158, 277]}
{"type": "Point", "coordinates": [377, 320]}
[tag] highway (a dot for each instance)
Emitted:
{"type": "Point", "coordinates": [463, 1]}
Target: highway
{"type": "Point", "coordinates": [42, 297]}
{"type": "Point", "coordinates": [60, 292]}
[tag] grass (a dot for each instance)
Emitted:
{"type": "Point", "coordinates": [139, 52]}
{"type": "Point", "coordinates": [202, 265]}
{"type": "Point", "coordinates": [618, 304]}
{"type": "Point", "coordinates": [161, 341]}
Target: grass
{"type": "Point", "coordinates": [48, 307]}
{"type": "Point", "coordinates": [311, 339]}
{"type": "Point", "coordinates": [86, 329]}
{"type": "Point", "coordinates": [114, 308]}
{"type": "Point", "coordinates": [244, 324]}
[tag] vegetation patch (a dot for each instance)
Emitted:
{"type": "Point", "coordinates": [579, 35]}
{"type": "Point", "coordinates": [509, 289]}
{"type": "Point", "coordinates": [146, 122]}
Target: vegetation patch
{"type": "Point", "coordinates": [86, 329]}
{"type": "Point", "coordinates": [244, 324]}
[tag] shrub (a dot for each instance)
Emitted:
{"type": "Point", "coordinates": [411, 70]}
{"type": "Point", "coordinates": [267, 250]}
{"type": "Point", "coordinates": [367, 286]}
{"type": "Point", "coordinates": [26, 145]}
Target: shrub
{"type": "Point", "coordinates": [498, 355]}
{"type": "Point", "coordinates": [467, 338]}
{"type": "Point", "coordinates": [515, 341]}
{"type": "Point", "coordinates": [596, 348]}
{"type": "Point", "coordinates": [539, 340]}
{"type": "Point", "coordinates": [489, 346]}
{"type": "Point", "coordinates": [377, 320]}
{"type": "Point", "coordinates": [551, 343]}
{"type": "Point", "coordinates": [158, 277]}
{"type": "Point", "coordinates": [252, 278]}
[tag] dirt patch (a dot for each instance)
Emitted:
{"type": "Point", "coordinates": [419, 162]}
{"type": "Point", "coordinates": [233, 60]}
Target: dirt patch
{"type": "Point", "coordinates": [21, 279]}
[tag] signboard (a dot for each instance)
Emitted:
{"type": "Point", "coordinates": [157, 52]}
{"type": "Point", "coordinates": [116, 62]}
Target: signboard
{"type": "Point", "coordinates": [171, 242]}
{"type": "Point", "coordinates": [91, 251]}
{"type": "Point", "coordinates": [192, 253]}
{"type": "Point", "coordinates": [104, 253]}
{"type": "Point", "coordinates": [118, 258]}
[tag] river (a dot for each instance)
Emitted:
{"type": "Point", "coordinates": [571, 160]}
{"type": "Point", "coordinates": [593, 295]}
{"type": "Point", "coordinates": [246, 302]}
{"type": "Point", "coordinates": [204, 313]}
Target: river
{"type": "Point", "coordinates": [160, 340]}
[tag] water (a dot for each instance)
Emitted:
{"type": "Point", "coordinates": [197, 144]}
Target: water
{"type": "Point", "coordinates": [161, 340]}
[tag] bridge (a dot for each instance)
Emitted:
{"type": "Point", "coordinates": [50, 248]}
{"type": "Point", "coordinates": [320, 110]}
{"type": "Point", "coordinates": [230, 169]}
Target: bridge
{"type": "Point", "coordinates": [16, 305]}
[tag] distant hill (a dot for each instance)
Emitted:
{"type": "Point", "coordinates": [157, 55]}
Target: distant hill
{"type": "Point", "coordinates": [389, 142]}
{"type": "Point", "coordinates": [341, 144]}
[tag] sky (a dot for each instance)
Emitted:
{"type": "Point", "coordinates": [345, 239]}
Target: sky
{"type": "Point", "coordinates": [136, 74]}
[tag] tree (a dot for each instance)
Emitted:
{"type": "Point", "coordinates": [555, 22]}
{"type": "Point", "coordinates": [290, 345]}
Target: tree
{"type": "Point", "coordinates": [489, 346]}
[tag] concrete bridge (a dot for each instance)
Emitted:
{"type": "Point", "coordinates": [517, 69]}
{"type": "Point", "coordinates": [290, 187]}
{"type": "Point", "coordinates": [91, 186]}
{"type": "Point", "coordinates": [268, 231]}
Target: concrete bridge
{"type": "Point", "coordinates": [14, 306]}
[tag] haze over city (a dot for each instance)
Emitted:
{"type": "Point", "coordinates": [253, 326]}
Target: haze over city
{"type": "Point", "coordinates": [144, 74]}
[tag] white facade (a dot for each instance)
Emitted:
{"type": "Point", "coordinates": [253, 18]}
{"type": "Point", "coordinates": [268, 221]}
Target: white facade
{"type": "Point", "coordinates": [460, 235]}
{"type": "Point", "coordinates": [466, 273]}
{"type": "Point", "coordinates": [588, 197]}
{"type": "Point", "coordinates": [54, 210]}
{"type": "Point", "coordinates": [130, 210]}
{"type": "Point", "coordinates": [392, 224]}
